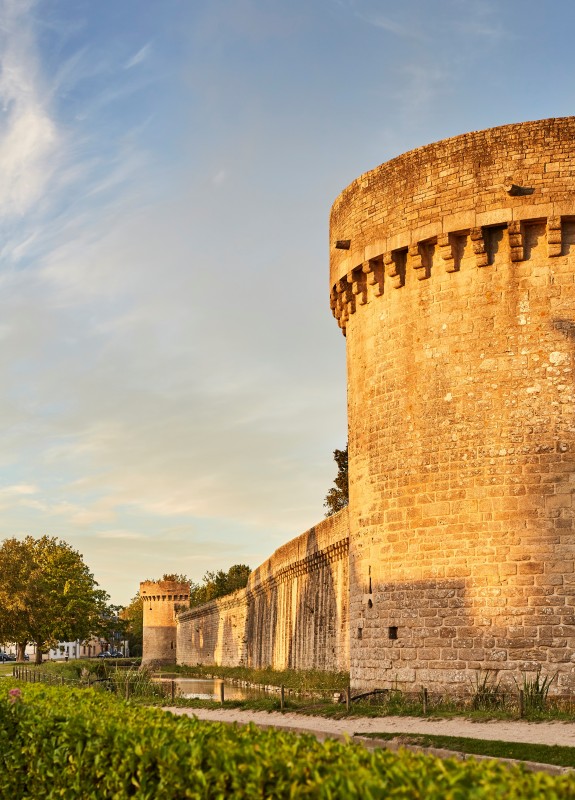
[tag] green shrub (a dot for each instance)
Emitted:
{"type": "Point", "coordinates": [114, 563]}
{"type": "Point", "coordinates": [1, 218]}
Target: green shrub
{"type": "Point", "coordinates": [68, 743]}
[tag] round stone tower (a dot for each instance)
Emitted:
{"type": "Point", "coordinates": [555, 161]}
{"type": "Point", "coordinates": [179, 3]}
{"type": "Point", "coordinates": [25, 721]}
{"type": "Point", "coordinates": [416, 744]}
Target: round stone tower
{"type": "Point", "coordinates": [452, 276]}
{"type": "Point", "coordinates": [161, 601]}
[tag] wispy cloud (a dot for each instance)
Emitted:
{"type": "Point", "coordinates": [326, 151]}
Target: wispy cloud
{"type": "Point", "coordinates": [19, 490]}
{"type": "Point", "coordinates": [29, 137]}
{"type": "Point", "coordinates": [142, 54]}
{"type": "Point", "coordinates": [120, 534]}
{"type": "Point", "coordinates": [389, 25]}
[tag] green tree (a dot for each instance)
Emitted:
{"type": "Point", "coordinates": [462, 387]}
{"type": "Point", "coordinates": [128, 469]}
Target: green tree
{"type": "Point", "coordinates": [217, 584]}
{"type": "Point", "coordinates": [338, 496]}
{"type": "Point", "coordinates": [47, 594]}
{"type": "Point", "coordinates": [133, 615]}
{"type": "Point", "coordinates": [113, 626]}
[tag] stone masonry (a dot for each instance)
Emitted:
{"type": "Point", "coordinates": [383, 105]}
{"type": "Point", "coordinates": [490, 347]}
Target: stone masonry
{"type": "Point", "coordinates": [452, 276]}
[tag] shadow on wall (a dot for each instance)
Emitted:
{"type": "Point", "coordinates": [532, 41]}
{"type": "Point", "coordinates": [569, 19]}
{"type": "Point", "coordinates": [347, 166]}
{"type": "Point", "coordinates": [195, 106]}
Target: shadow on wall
{"type": "Point", "coordinates": [314, 637]}
{"type": "Point", "coordinates": [293, 613]}
{"type": "Point", "coordinates": [297, 615]}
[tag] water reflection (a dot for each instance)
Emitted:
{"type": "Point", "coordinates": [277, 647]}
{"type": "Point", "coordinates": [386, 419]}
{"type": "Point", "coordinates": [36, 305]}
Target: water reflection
{"type": "Point", "coordinates": [209, 689]}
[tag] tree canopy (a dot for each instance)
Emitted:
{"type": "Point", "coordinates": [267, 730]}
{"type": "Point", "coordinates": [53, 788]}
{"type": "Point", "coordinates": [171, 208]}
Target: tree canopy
{"type": "Point", "coordinates": [217, 584]}
{"type": "Point", "coordinates": [47, 594]}
{"type": "Point", "coordinates": [133, 616]}
{"type": "Point", "coordinates": [338, 496]}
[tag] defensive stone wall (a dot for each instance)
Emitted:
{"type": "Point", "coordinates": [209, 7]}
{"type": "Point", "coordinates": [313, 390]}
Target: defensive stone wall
{"type": "Point", "coordinates": [292, 614]}
{"type": "Point", "coordinates": [452, 275]}
{"type": "Point", "coordinates": [215, 632]}
{"type": "Point", "coordinates": [160, 602]}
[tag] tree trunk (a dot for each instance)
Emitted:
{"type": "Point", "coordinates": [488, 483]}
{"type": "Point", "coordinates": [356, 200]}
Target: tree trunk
{"type": "Point", "coordinates": [20, 650]}
{"type": "Point", "coordinates": [38, 658]}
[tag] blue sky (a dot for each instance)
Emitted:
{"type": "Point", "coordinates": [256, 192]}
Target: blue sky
{"type": "Point", "coordinates": [173, 384]}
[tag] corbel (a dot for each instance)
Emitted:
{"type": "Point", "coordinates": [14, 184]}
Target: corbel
{"type": "Point", "coordinates": [390, 261]}
{"type": "Point", "coordinates": [332, 298]}
{"type": "Point", "coordinates": [340, 302]}
{"type": "Point", "coordinates": [347, 299]}
{"type": "Point", "coordinates": [445, 244]}
{"type": "Point", "coordinates": [356, 280]}
{"type": "Point", "coordinates": [553, 236]}
{"type": "Point", "coordinates": [515, 240]}
{"type": "Point", "coordinates": [348, 293]}
{"type": "Point", "coordinates": [373, 271]}
{"type": "Point", "coordinates": [478, 240]}
{"type": "Point", "coordinates": [416, 260]}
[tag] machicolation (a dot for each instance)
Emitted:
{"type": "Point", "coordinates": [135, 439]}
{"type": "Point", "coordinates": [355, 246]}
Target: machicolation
{"type": "Point", "coordinates": [452, 277]}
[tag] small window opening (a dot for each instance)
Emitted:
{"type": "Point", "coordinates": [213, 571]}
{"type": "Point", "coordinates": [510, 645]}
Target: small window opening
{"type": "Point", "coordinates": [360, 633]}
{"type": "Point", "coordinates": [370, 603]}
{"type": "Point", "coordinates": [392, 632]}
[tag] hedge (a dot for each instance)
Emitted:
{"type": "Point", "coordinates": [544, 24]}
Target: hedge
{"type": "Point", "coordinates": [68, 743]}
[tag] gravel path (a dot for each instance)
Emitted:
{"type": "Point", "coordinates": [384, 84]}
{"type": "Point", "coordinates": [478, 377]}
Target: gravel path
{"type": "Point", "coordinates": [561, 733]}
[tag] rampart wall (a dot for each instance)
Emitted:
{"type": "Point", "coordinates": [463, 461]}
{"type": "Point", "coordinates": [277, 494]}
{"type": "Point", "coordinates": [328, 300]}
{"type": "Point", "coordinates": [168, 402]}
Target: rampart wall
{"type": "Point", "coordinates": [452, 275]}
{"type": "Point", "coordinates": [292, 614]}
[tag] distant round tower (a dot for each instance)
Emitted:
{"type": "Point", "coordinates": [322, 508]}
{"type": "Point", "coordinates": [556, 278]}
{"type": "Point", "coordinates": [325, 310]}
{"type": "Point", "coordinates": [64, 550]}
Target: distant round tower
{"type": "Point", "coordinates": [453, 278]}
{"type": "Point", "coordinates": [161, 600]}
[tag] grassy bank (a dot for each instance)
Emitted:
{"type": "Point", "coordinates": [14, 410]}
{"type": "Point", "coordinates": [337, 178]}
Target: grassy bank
{"type": "Point", "coordinates": [307, 692]}
{"type": "Point", "coordinates": [540, 753]}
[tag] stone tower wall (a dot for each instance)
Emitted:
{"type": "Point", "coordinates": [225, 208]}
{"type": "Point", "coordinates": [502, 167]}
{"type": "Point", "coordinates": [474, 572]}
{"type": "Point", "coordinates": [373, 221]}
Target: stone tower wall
{"type": "Point", "coordinates": [292, 614]}
{"type": "Point", "coordinates": [452, 275]}
{"type": "Point", "coordinates": [160, 601]}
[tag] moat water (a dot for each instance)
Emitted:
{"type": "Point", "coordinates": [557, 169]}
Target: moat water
{"type": "Point", "coordinates": [209, 689]}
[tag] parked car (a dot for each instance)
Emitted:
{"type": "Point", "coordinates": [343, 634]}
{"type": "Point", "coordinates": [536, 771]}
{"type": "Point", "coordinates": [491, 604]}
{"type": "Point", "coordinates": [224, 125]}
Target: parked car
{"type": "Point", "coordinates": [7, 657]}
{"type": "Point", "coordinates": [105, 654]}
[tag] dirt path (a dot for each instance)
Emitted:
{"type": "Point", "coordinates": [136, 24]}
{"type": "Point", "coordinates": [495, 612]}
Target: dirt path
{"type": "Point", "coordinates": [561, 733]}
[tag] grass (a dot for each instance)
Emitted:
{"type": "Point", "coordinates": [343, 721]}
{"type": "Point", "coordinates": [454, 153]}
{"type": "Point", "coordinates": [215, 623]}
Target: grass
{"type": "Point", "coordinates": [536, 690]}
{"type": "Point", "coordinates": [311, 692]}
{"type": "Point", "coordinates": [487, 692]}
{"type": "Point", "coordinates": [541, 753]}
{"type": "Point", "coordinates": [395, 705]}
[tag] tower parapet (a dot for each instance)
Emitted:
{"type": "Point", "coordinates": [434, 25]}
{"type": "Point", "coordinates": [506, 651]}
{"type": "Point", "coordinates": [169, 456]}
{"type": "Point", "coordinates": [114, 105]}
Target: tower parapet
{"type": "Point", "coordinates": [453, 277]}
{"type": "Point", "coordinates": [161, 600]}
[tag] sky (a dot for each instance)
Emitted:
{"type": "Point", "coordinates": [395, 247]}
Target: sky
{"type": "Point", "coordinates": [172, 382]}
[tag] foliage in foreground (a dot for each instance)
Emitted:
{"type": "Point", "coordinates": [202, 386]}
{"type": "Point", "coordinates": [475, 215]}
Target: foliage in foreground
{"type": "Point", "coordinates": [56, 742]}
